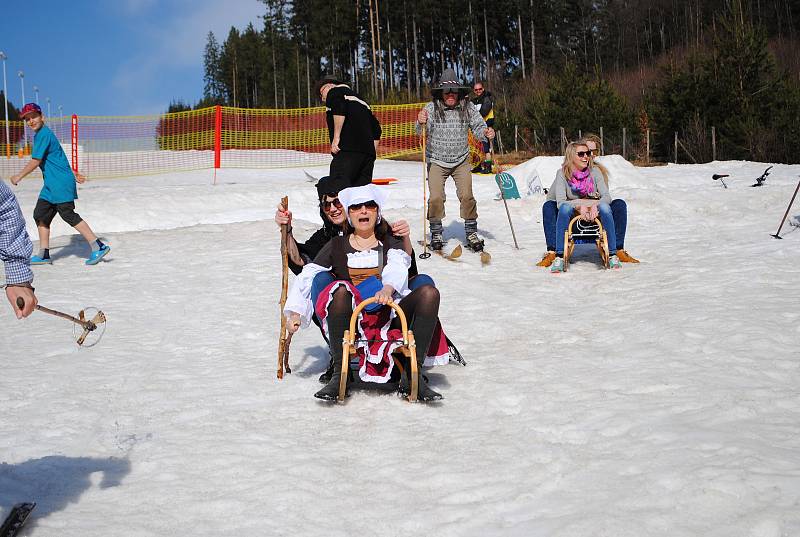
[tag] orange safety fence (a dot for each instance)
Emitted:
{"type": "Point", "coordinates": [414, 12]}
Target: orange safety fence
{"type": "Point", "coordinates": [215, 137]}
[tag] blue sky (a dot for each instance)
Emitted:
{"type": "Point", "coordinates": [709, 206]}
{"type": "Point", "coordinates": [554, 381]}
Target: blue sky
{"type": "Point", "coordinates": [115, 57]}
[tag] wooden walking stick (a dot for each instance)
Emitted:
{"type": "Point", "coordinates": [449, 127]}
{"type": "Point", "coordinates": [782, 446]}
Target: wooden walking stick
{"type": "Point", "coordinates": [777, 234]}
{"type": "Point", "coordinates": [97, 321]}
{"type": "Point", "coordinates": [502, 195]}
{"type": "Point", "coordinates": [285, 338]}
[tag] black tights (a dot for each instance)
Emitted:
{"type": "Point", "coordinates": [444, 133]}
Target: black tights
{"type": "Point", "coordinates": [421, 308]}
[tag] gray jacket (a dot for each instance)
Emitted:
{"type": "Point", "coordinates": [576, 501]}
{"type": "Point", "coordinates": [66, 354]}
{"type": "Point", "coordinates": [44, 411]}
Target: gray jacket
{"type": "Point", "coordinates": [448, 143]}
{"type": "Point", "coordinates": [561, 193]}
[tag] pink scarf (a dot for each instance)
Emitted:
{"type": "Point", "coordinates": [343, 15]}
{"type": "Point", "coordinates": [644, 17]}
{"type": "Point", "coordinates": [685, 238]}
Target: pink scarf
{"type": "Point", "coordinates": [582, 183]}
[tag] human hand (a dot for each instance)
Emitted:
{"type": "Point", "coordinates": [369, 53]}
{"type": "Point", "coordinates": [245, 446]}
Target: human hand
{"type": "Point", "coordinates": [283, 216]}
{"type": "Point", "coordinates": [384, 295]}
{"type": "Point", "coordinates": [422, 117]}
{"type": "Point", "coordinates": [584, 211]}
{"type": "Point", "coordinates": [593, 212]}
{"type": "Point", "coordinates": [26, 294]}
{"type": "Point", "coordinates": [335, 146]}
{"type": "Point", "coordinates": [401, 229]}
{"type": "Point", "coordinates": [80, 178]}
{"type": "Point", "coordinates": [15, 179]}
{"type": "Point", "coordinates": [489, 133]}
{"type": "Point", "coordinates": [292, 322]}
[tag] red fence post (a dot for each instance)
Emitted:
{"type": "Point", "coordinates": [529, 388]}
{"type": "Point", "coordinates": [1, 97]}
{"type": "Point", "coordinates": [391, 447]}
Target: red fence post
{"type": "Point", "coordinates": [217, 137]}
{"type": "Point", "coordinates": [75, 143]}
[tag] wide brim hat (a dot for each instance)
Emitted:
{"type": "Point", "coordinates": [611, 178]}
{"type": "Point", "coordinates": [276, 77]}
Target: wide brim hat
{"type": "Point", "coordinates": [362, 194]}
{"type": "Point", "coordinates": [449, 81]}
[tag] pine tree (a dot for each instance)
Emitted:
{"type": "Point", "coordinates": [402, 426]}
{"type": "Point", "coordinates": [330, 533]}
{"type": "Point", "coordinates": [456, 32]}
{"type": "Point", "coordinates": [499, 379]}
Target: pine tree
{"type": "Point", "coordinates": [212, 85]}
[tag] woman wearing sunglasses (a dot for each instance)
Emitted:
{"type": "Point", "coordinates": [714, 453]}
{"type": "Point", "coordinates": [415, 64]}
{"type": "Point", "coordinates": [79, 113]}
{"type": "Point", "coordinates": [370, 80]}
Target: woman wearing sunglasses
{"type": "Point", "coordinates": [367, 261]}
{"type": "Point", "coordinates": [579, 188]}
{"type": "Point", "coordinates": [334, 223]}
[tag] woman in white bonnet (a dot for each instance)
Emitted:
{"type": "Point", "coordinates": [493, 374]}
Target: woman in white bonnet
{"type": "Point", "coordinates": [367, 261]}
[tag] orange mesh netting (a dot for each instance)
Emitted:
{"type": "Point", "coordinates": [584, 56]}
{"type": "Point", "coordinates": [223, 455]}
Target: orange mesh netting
{"type": "Point", "coordinates": [222, 137]}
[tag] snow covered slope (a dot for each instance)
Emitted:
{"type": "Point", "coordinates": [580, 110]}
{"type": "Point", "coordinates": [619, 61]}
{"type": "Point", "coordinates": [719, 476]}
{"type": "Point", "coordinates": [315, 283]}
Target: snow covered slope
{"type": "Point", "coordinates": [657, 400]}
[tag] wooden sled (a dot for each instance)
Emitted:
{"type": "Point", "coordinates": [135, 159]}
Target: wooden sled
{"type": "Point", "coordinates": [408, 349]}
{"type": "Point", "coordinates": [582, 232]}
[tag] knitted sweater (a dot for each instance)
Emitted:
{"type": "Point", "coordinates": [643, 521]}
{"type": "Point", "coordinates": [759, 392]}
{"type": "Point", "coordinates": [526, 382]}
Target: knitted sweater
{"type": "Point", "coordinates": [448, 143]}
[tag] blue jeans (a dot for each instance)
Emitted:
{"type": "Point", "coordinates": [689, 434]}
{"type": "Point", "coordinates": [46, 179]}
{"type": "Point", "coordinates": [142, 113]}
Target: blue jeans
{"type": "Point", "coordinates": [324, 279]}
{"type": "Point", "coordinates": [321, 281]}
{"type": "Point", "coordinates": [619, 210]}
{"type": "Point", "coordinates": [565, 214]}
{"type": "Point", "coordinates": [419, 280]}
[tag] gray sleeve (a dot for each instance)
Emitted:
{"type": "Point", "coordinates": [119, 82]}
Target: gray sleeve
{"type": "Point", "coordinates": [559, 189]}
{"type": "Point", "coordinates": [600, 185]}
{"type": "Point", "coordinates": [476, 123]}
{"type": "Point", "coordinates": [429, 108]}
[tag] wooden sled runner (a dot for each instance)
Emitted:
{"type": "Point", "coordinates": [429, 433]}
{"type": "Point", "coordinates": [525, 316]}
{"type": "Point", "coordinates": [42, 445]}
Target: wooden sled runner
{"type": "Point", "coordinates": [581, 232]}
{"type": "Point", "coordinates": [408, 349]}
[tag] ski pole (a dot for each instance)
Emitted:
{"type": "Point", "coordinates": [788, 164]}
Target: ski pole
{"type": "Point", "coordinates": [498, 180]}
{"type": "Point", "coordinates": [777, 234]}
{"type": "Point", "coordinates": [86, 325]}
{"type": "Point", "coordinates": [425, 253]}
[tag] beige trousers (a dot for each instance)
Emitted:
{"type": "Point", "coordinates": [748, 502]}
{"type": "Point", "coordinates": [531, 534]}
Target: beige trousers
{"type": "Point", "coordinates": [462, 175]}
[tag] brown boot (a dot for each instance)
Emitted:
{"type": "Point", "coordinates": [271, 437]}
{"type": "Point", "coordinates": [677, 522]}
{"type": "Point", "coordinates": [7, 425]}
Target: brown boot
{"type": "Point", "coordinates": [625, 257]}
{"type": "Point", "coordinates": [547, 259]}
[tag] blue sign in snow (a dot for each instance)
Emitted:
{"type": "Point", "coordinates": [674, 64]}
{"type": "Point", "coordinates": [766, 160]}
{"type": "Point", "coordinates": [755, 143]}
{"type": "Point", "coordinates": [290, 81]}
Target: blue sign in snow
{"type": "Point", "coordinates": [508, 185]}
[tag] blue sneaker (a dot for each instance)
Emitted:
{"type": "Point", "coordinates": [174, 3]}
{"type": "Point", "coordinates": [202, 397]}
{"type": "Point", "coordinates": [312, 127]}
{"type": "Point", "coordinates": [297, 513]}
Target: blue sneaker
{"type": "Point", "coordinates": [98, 255]}
{"type": "Point", "coordinates": [36, 260]}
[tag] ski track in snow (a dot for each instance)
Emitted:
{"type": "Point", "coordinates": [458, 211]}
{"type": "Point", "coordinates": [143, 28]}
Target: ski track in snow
{"type": "Point", "coordinates": [660, 399]}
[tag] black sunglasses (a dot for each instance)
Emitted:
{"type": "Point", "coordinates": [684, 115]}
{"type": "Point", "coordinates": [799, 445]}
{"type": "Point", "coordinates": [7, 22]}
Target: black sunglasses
{"type": "Point", "coordinates": [358, 206]}
{"type": "Point", "coordinates": [584, 153]}
{"type": "Point", "coordinates": [326, 205]}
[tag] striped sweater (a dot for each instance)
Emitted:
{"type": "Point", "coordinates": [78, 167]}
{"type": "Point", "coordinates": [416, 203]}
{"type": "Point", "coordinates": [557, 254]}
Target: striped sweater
{"type": "Point", "coordinates": [448, 143]}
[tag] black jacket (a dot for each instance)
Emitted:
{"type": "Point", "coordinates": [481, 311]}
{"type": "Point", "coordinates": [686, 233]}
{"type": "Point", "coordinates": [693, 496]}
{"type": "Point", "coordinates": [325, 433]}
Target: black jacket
{"type": "Point", "coordinates": [361, 128]}
{"type": "Point", "coordinates": [485, 103]}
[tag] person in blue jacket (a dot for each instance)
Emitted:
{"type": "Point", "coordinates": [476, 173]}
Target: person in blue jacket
{"type": "Point", "coordinates": [59, 192]}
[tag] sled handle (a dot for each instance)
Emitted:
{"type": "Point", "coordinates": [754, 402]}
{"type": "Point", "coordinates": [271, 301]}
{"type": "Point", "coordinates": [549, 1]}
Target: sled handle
{"type": "Point", "coordinates": [596, 222]}
{"type": "Point", "coordinates": [392, 304]}
{"type": "Point", "coordinates": [408, 341]}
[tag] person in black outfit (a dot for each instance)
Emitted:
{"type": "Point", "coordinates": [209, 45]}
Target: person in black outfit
{"type": "Point", "coordinates": [484, 103]}
{"type": "Point", "coordinates": [354, 132]}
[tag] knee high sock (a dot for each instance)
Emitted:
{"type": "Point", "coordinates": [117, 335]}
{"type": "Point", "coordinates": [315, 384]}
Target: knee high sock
{"type": "Point", "coordinates": [339, 312]}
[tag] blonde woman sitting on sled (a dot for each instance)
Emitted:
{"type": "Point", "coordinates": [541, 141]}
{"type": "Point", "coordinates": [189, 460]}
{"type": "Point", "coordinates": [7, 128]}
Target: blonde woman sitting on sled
{"type": "Point", "coordinates": [580, 188]}
{"type": "Point", "coordinates": [367, 261]}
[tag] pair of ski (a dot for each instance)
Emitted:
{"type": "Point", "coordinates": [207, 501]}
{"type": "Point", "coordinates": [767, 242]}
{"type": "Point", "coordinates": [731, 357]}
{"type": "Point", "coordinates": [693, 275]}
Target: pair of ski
{"type": "Point", "coordinates": [16, 519]}
{"type": "Point", "coordinates": [456, 252]}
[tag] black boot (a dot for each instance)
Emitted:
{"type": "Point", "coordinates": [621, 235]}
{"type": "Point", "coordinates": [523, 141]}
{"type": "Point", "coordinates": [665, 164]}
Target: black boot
{"type": "Point", "coordinates": [338, 318]}
{"type": "Point", "coordinates": [326, 376]}
{"type": "Point", "coordinates": [330, 392]}
{"type": "Point", "coordinates": [424, 392]}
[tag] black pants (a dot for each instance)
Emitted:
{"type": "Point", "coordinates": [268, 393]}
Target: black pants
{"type": "Point", "coordinates": [353, 167]}
{"type": "Point", "coordinates": [44, 212]}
